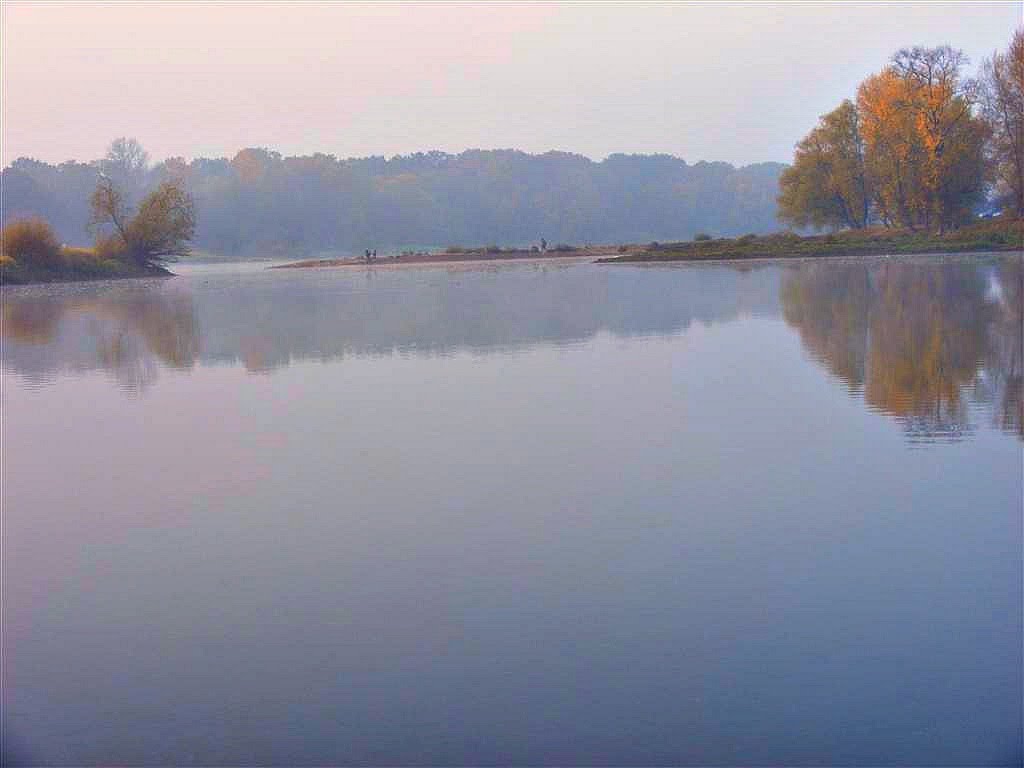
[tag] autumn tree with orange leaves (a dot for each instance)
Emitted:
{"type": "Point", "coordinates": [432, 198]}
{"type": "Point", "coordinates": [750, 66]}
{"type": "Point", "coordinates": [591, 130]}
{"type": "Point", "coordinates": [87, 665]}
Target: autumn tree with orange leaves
{"type": "Point", "coordinates": [912, 155]}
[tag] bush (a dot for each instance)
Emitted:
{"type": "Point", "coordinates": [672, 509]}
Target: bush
{"type": "Point", "coordinates": [30, 241]}
{"type": "Point", "coordinates": [492, 249]}
{"type": "Point", "coordinates": [73, 257]}
{"type": "Point", "coordinates": [111, 247]}
{"type": "Point", "coordinates": [563, 248]}
{"type": "Point", "coordinates": [701, 237]}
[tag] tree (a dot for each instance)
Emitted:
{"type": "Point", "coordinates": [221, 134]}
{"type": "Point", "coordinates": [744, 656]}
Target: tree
{"type": "Point", "coordinates": [827, 185]}
{"type": "Point", "coordinates": [894, 151]}
{"type": "Point", "coordinates": [126, 163]}
{"type": "Point", "coordinates": [159, 231]}
{"type": "Point", "coordinates": [909, 152]}
{"type": "Point", "coordinates": [109, 207]}
{"type": "Point", "coordinates": [939, 99]}
{"type": "Point", "coordinates": [1002, 103]}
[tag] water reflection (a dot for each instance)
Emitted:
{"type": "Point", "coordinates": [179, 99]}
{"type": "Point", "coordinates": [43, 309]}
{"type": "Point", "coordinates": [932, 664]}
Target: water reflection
{"type": "Point", "coordinates": [128, 331]}
{"type": "Point", "coordinates": [490, 516]}
{"type": "Point", "coordinates": [1003, 383]}
{"type": "Point", "coordinates": [267, 321]}
{"type": "Point", "coordinates": [920, 342]}
{"type": "Point", "coordinates": [924, 342]}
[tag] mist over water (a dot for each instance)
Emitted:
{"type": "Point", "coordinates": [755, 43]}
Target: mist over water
{"type": "Point", "coordinates": [546, 513]}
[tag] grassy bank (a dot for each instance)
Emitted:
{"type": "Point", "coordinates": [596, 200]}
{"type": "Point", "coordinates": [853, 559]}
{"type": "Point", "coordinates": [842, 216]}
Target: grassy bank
{"type": "Point", "coordinates": [71, 264]}
{"type": "Point", "coordinates": [1000, 234]}
{"type": "Point", "coordinates": [32, 254]}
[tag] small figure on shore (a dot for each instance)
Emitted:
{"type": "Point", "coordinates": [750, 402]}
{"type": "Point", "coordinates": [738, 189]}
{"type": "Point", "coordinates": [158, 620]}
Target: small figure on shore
{"type": "Point", "coordinates": [543, 244]}
{"type": "Point", "coordinates": [374, 254]}
{"type": "Point", "coordinates": [366, 258]}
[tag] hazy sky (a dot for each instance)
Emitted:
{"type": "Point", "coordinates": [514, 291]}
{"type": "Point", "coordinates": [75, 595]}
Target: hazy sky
{"type": "Point", "coordinates": [706, 81]}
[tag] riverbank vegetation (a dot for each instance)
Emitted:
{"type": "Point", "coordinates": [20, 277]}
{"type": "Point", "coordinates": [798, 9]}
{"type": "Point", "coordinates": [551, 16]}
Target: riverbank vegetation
{"type": "Point", "coordinates": [129, 241]}
{"type": "Point", "coordinates": [32, 254]}
{"type": "Point", "coordinates": [921, 147]}
{"type": "Point", "coordinates": [1004, 233]}
{"type": "Point", "coordinates": [905, 167]}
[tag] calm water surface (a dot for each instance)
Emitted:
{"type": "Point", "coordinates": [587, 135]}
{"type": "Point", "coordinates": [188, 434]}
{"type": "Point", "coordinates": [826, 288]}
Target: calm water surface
{"type": "Point", "coordinates": [549, 513]}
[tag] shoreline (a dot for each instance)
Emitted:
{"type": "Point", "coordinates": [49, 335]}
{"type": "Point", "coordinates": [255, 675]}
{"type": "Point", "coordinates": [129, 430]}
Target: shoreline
{"type": "Point", "coordinates": [17, 275]}
{"type": "Point", "coordinates": [993, 236]}
{"type": "Point", "coordinates": [989, 236]}
{"type": "Point", "coordinates": [1000, 235]}
{"type": "Point", "coordinates": [853, 253]}
{"type": "Point", "coordinates": [594, 251]}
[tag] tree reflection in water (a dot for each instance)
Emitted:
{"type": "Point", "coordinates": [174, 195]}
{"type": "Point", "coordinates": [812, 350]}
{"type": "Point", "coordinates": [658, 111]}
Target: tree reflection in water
{"type": "Point", "coordinates": [922, 340]}
{"type": "Point", "coordinates": [127, 333]}
{"type": "Point", "coordinates": [919, 341]}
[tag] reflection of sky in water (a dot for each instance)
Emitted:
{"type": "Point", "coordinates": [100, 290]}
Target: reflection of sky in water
{"type": "Point", "coordinates": [923, 341]}
{"type": "Point", "coordinates": [515, 515]}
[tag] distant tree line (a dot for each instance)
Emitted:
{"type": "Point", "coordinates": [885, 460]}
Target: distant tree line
{"type": "Point", "coordinates": [261, 202]}
{"type": "Point", "coordinates": [921, 147]}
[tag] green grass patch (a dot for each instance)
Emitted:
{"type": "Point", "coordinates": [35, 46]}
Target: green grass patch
{"type": "Point", "coordinates": [71, 264]}
{"type": "Point", "coordinates": [999, 234]}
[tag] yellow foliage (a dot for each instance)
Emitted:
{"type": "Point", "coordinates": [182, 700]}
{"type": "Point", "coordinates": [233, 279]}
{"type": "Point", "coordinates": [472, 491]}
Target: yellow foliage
{"type": "Point", "coordinates": [111, 247]}
{"type": "Point", "coordinates": [30, 241]}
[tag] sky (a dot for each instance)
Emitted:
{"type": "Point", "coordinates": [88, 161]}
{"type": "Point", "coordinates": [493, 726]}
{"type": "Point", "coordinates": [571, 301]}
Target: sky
{"type": "Point", "coordinates": [736, 82]}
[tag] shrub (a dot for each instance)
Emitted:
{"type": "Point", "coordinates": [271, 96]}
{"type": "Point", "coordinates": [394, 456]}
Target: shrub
{"type": "Point", "coordinates": [111, 247]}
{"type": "Point", "coordinates": [30, 241]}
{"type": "Point", "coordinates": [701, 237]}
{"type": "Point", "coordinates": [492, 249]}
{"type": "Point", "coordinates": [76, 257]}
{"type": "Point", "coordinates": [563, 248]}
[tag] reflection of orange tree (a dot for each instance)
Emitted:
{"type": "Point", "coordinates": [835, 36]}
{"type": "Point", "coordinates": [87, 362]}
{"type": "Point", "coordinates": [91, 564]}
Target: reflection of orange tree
{"type": "Point", "coordinates": [828, 305]}
{"type": "Point", "coordinates": [914, 336]}
{"type": "Point", "coordinates": [927, 340]}
{"type": "Point", "coordinates": [163, 322]}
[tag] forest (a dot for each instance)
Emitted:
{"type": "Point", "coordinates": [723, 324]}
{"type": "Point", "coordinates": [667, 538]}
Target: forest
{"type": "Point", "coordinates": [262, 203]}
{"type": "Point", "coordinates": [924, 153]}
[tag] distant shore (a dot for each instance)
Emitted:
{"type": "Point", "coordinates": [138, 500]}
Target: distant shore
{"type": "Point", "coordinates": [468, 254]}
